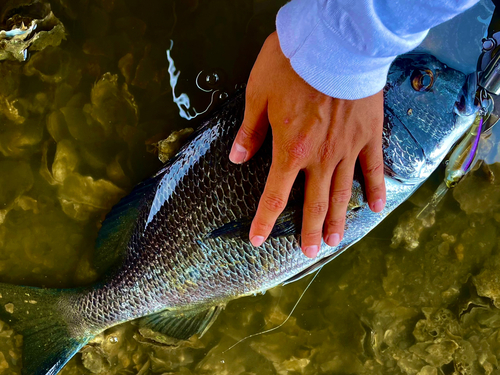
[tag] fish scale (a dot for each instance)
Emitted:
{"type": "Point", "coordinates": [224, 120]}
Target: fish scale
{"type": "Point", "coordinates": [176, 250]}
{"type": "Point", "coordinates": [178, 223]}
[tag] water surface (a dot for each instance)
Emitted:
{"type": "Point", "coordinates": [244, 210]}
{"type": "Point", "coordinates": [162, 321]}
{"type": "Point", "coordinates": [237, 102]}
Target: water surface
{"type": "Point", "coordinates": [77, 124]}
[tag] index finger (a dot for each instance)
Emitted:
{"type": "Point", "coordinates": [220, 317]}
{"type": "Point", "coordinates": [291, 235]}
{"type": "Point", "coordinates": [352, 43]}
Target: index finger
{"type": "Point", "coordinates": [272, 202]}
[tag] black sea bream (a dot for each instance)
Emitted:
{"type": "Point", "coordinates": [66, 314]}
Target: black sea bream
{"type": "Point", "coordinates": [176, 250]}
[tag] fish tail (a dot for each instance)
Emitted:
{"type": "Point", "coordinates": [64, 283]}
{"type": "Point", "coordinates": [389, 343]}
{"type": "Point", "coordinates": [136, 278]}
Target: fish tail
{"type": "Point", "coordinates": [50, 329]}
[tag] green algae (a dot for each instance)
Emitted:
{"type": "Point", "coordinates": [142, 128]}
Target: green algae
{"type": "Point", "coordinates": [76, 123]}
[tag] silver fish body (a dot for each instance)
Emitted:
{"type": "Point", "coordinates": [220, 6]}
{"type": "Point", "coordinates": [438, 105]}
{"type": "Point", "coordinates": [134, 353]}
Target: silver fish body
{"type": "Point", "coordinates": [189, 243]}
{"type": "Point", "coordinates": [181, 238]}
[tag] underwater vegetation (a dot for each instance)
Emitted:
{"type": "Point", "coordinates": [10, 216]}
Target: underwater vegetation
{"type": "Point", "coordinates": [78, 116]}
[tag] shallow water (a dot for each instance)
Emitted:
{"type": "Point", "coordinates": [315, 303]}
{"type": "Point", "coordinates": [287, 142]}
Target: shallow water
{"type": "Point", "coordinates": [77, 123]}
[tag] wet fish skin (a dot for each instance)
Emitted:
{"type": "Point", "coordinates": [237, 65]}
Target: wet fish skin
{"type": "Point", "coordinates": [424, 113]}
{"type": "Point", "coordinates": [200, 192]}
{"type": "Point", "coordinates": [182, 236]}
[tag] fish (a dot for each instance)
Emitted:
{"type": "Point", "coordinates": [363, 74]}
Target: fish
{"type": "Point", "coordinates": [175, 250]}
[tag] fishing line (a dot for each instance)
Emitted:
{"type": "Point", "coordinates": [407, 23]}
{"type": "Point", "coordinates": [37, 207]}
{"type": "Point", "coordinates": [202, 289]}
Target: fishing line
{"type": "Point", "coordinates": [182, 100]}
{"type": "Point", "coordinates": [280, 325]}
{"type": "Point", "coordinates": [198, 85]}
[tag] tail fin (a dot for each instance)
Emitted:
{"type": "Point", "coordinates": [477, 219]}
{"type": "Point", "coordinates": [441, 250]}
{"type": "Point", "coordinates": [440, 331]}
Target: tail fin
{"type": "Point", "coordinates": [48, 339]}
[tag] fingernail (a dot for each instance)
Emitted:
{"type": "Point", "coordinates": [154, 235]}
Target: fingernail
{"type": "Point", "coordinates": [238, 154]}
{"type": "Point", "coordinates": [378, 205]}
{"type": "Point", "coordinates": [333, 239]}
{"type": "Point", "coordinates": [311, 251]}
{"type": "Point", "coordinates": [257, 240]}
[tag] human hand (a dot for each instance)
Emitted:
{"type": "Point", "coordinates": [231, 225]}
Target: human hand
{"type": "Point", "coordinates": [313, 132]}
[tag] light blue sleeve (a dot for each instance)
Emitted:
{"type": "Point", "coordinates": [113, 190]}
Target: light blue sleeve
{"type": "Point", "coordinates": [344, 48]}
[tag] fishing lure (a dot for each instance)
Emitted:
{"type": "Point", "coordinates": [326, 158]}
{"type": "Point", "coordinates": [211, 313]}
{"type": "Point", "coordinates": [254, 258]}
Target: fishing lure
{"type": "Point", "coordinates": [463, 156]}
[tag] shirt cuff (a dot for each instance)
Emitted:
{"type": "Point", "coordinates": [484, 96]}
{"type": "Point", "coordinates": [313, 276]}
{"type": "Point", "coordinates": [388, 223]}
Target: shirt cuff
{"type": "Point", "coordinates": [325, 61]}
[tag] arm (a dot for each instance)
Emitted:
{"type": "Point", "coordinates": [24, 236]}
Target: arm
{"type": "Point", "coordinates": [319, 87]}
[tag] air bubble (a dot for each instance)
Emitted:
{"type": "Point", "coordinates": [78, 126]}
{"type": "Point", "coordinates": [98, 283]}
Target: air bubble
{"type": "Point", "coordinates": [223, 95]}
{"type": "Point", "coordinates": [208, 80]}
{"type": "Point", "coordinates": [212, 79]}
{"type": "Point", "coordinates": [113, 339]}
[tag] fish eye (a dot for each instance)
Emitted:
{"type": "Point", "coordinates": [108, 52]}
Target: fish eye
{"type": "Point", "coordinates": [422, 80]}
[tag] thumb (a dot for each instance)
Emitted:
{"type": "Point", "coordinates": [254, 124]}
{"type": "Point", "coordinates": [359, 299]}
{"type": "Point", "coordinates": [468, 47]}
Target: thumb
{"type": "Point", "coordinates": [252, 131]}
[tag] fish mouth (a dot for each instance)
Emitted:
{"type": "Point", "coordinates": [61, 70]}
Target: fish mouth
{"type": "Point", "coordinates": [466, 102]}
{"type": "Point", "coordinates": [406, 160]}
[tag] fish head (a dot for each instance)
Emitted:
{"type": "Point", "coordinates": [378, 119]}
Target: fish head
{"type": "Point", "coordinates": [421, 119]}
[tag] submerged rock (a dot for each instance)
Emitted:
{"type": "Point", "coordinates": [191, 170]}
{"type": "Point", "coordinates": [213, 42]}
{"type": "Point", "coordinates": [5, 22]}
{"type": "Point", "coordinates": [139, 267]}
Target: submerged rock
{"type": "Point", "coordinates": [408, 230]}
{"type": "Point", "coordinates": [53, 65]}
{"type": "Point", "coordinates": [112, 106]}
{"type": "Point", "coordinates": [82, 196]}
{"type": "Point", "coordinates": [376, 310]}
{"type": "Point", "coordinates": [28, 25]}
{"type": "Point", "coordinates": [488, 281]}
{"type": "Point", "coordinates": [16, 179]}
{"type": "Point", "coordinates": [166, 148]}
{"type": "Point", "coordinates": [479, 192]}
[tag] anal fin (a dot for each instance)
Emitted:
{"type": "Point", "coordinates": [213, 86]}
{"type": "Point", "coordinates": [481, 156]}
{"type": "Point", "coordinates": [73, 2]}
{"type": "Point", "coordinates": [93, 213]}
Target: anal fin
{"type": "Point", "coordinates": [182, 324]}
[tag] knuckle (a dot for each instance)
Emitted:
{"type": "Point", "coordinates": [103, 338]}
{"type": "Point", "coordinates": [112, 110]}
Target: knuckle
{"type": "Point", "coordinates": [296, 152]}
{"type": "Point", "coordinates": [326, 152]}
{"type": "Point", "coordinates": [374, 169]}
{"type": "Point", "coordinates": [312, 235]}
{"type": "Point", "coordinates": [274, 203]}
{"type": "Point", "coordinates": [249, 133]}
{"type": "Point", "coordinates": [313, 95]}
{"type": "Point", "coordinates": [262, 227]}
{"type": "Point", "coordinates": [333, 222]}
{"type": "Point", "coordinates": [341, 196]}
{"type": "Point", "coordinates": [317, 208]}
{"type": "Point", "coordinates": [374, 189]}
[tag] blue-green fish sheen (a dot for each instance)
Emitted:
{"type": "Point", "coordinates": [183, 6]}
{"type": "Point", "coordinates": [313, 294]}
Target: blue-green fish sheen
{"type": "Point", "coordinates": [176, 250]}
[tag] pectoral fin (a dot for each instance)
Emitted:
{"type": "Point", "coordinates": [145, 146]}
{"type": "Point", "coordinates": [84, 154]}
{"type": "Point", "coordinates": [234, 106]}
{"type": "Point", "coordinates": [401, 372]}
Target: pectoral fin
{"type": "Point", "coordinates": [287, 224]}
{"type": "Point", "coordinates": [182, 324]}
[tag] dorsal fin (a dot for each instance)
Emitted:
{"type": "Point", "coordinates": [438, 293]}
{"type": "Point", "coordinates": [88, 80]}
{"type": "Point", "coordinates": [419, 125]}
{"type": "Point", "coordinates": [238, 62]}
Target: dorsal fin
{"type": "Point", "coordinates": [111, 242]}
{"type": "Point", "coordinates": [182, 324]}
